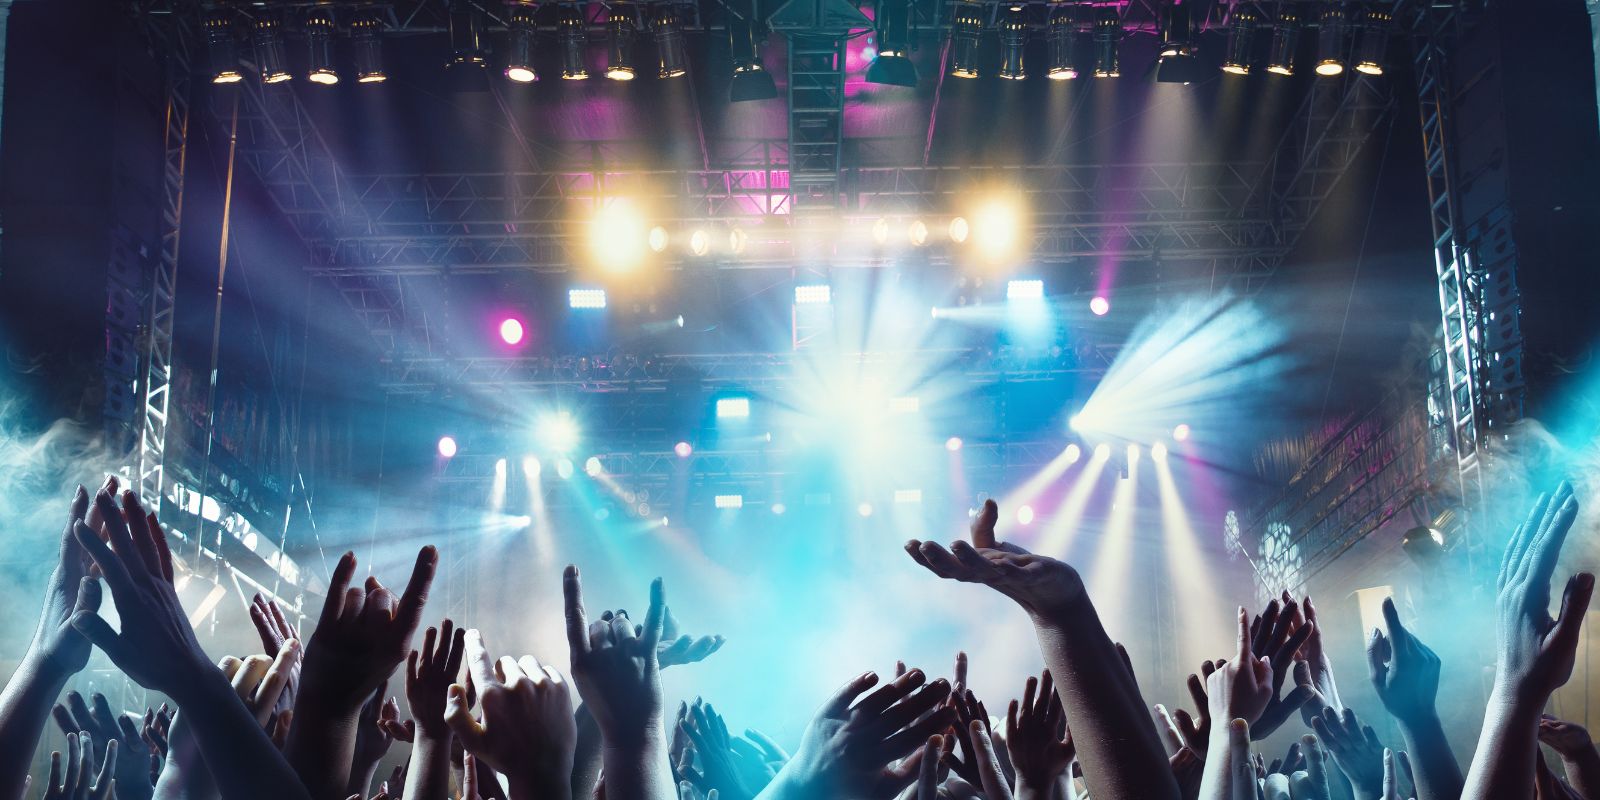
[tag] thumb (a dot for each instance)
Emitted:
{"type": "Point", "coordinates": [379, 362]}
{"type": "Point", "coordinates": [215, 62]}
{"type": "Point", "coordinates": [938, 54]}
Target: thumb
{"type": "Point", "coordinates": [89, 595]}
{"type": "Point", "coordinates": [99, 633]}
{"type": "Point", "coordinates": [460, 720]}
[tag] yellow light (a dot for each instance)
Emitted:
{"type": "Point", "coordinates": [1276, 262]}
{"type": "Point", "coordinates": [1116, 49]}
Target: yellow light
{"type": "Point", "coordinates": [325, 77]}
{"type": "Point", "coordinates": [1280, 69]}
{"type": "Point", "coordinates": [228, 76]}
{"type": "Point", "coordinates": [959, 230]}
{"type": "Point", "coordinates": [1236, 69]}
{"type": "Point", "coordinates": [659, 239]}
{"type": "Point", "coordinates": [880, 231]}
{"type": "Point", "coordinates": [699, 242]}
{"type": "Point", "coordinates": [620, 73]}
{"type": "Point", "coordinates": [1369, 68]}
{"type": "Point", "coordinates": [617, 237]}
{"type": "Point", "coordinates": [277, 77]}
{"type": "Point", "coordinates": [994, 229]}
{"type": "Point", "coordinates": [737, 239]}
{"type": "Point", "coordinates": [521, 74]}
{"type": "Point", "coordinates": [918, 232]}
{"type": "Point", "coordinates": [1330, 68]}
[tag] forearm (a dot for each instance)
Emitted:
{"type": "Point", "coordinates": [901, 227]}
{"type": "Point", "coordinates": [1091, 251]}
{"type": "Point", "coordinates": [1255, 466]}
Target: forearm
{"type": "Point", "coordinates": [1220, 773]}
{"type": "Point", "coordinates": [240, 758]}
{"type": "Point", "coordinates": [639, 770]}
{"type": "Point", "coordinates": [1034, 790]}
{"type": "Point", "coordinates": [1121, 756]}
{"type": "Point", "coordinates": [24, 711]}
{"type": "Point", "coordinates": [322, 743]}
{"type": "Point", "coordinates": [586, 757]}
{"type": "Point", "coordinates": [1503, 766]}
{"type": "Point", "coordinates": [178, 782]}
{"type": "Point", "coordinates": [429, 775]}
{"type": "Point", "coordinates": [1438, 774]}
{"type": "Point", "coordinates": [1583, 772]}
{"type": "Point", "coordinates": [361, 776]}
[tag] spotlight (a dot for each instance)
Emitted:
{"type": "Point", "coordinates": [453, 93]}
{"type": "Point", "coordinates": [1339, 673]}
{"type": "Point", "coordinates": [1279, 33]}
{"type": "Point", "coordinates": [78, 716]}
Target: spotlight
{"type": "Point", "coordinates": [865, 509]}
{"type": "Point", "coordinates": [658, 240]}
{"type": "Point", "coordinates": [959, 229]}
{"type": "Point", "coordinates": [511, 330]}
{"type": "Point", "coordinates": [557, 432]}
{"type": "Point", "coordinates": [751, 81]}
{"type": "Point", "coordinates": [813, 294]}
{"type": "Point", "coordinates": [221, 48]}
{"type": "Point", "coordinates": [728, 501]}
{"type": "Point", "coordinates": [1285, 38]}
{"type": "Point", "coordinates": [1181, 433]}
{"type": "Point", "coordinates": [1330, 42]}
{"type": "Point", "coordinates": [620, 31]}
{"type": "Point", "coordinates": [672, 59]}
{"type": "Point", "coordinates": [779, 508]}
{"type": "Point", "coordinates": [1025, 290]}
{"type": "Point", "coordinates": [737, 239]}
{"type": "Point", "coordinates": [1025, 515]}
{"type": "Point", "coordinates": [447, 446]}
{"type": "Point", "coordinates": [1063, 44]}
{"type": "Point", "coordinates": [1102, 451]}
{"type": "Point", "coordinates": [995, 228]}
{"type": "Point", "coordinates": [1236, 59]}
{"type": "Point", "coordinates": [319, 35]}
{"type": "Point", "coordinates": [683, 449]}
{"type": "Point", "coordinates": [953, 444]}
{"type": "Point", "coordinates": [733, 407]}
{"type": "Point", "coordinates": [1158, 452]}
{"type": "Point", "coordinates": [1133, 454]}
{"type": "Point", "coordinates": [368, 47]}
{"type": "Point", "coordinates": [1107, 40]}
{"type": "Point", "coordinates": [880, 231]}
{"type": "Point", "coordinates": [564, 469]}
{"type": "Point", "coordinates": [1099, 306]}
{"type": "Point", "coordinates": [968, 30]}
{"type": "Point", "coordinates": [1074, 452]}
{"type": "Point", "coordinates": [586, 298]}
{"type": "Point", "coordinates": [531, 467]}
{"type": "Point", "coordinates": [618, 237]}
{"type": "Point", "coordinates": [1372, 42]}
{"type": "Point", "coordinates": [1013, 41]}
{"type": "Point", "coordinates": [892, 66]}
{"type": "Point", "coordinates": [699, 242]}
{"type": "Point", "coordinates": [917, 232]}
{"type": "Point", "coordinates": [592, 467]}
{"type": "Point", "coordinates": [1177, 63]}
{"type": "Point", "coordinates": [268, 41]}
{"type": "Point", "coordinates": [466, 42]}
{"type": "Point", "coordinates": [574, 43]}
{"type": "Point", "coordinates": [519, 44]}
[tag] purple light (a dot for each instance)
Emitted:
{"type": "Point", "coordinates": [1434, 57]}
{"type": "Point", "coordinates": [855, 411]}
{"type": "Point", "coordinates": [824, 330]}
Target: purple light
{"type": "Point", "coordinates": [511, 330]}
{"type": "Point", "coordinates": [1099, 305]}
{"type": "Point", "coordinates": [447, 446]}
{"type": "Point", "coordinates": [683, 449]}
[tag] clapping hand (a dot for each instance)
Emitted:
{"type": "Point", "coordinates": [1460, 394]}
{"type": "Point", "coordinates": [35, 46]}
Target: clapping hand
{"type": "Point", "coordinates": [100, 727]}
{"type": "Point", "coordinates": [75, 784]}
{"type": "Point", "coordinates": [1041, 585]}
{"type": "Point", "coordinates": [527, 731]}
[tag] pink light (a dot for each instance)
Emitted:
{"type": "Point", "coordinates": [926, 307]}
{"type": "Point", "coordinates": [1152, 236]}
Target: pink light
{"type": "Point", "coordinates": [1099, 305]}
{"type": "Point", "coordinates": [447, 446]}
{"type": "Point", "coordinates": [511, 330]}
{"type": "Point", "coordinates": [952, 444]}
{"type": "Point", "coordinates": [683, 449]}
{"type": "Point", "coordinates": [1181, 433]}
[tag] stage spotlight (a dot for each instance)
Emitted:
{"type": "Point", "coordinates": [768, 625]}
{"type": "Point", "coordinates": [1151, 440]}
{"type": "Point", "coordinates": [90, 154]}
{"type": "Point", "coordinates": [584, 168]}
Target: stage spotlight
{"type": "Point", "coordinates": [994, 229]}
{"type": "Point", "coordinates": [620, 31]}
{"type": "Point", "coordinates": [557, 432]}
{"type": "Point", "coordinates": [519, 44]}
{"type": "Point", "coordinates": [268, 40]}
{"type": "Point", "coordinates": [959, 229]}
{"type": "Point", "coordinates": [1025, 515]}
{"type": "Point", "coordinates": [447, 446]}
{"type": "Point", "coordinates": [564, 469]}
{"type": "Point", "coordinates": [1236, 58]}
{"type": "Point", "coordinates": [880, 231]}
{"type": "Point", "coordinates": [907, 496]}
{"type": "Point", "coordinates": [672, 59]}
{"type": "Point", "coordinates": [511, 330]}
{"type": "Point", "coordinates": [466, 43]}
{"type": "Point", "coordinates": [751, 80]}
{"type": "Point", "coordinates": [618, 237]}
{"type": "Point", "coordinates": [1330, 42]}
{"type": "Point", "coordinates": [1013, 43]}
{"type": "Point", "coordinates": [1285, 39]}
{"type": "Point", "coordinates": [1099, 306]}
{"type": "Point", "coordinates": [1107, 41]}
{"type": "Point", "coordinates": [1025, 290]}
{"type": "Point", "coordinates": [917, 233]}
{"type": "Point", "coordinates": [1102, 451]}
{"type": "Point", "coordinates": [592, 467]}
{"type": "Point", "coordinates": [813, 294]}
{"type": "Point", "coordinates": [220, 46]}
{"type": "Point", "coordinates": [1074, 452]}
{"type": "Point", "coordinates": [953, 444]}
{"type": "Point", "coordinates": [586, 298]}
{"type": "Point", "coordinates": [699, 242]}
{"type": "Point", "coordinates": [892, 66]}
{"type": "Point", "coordinates": [864, 509]}
{"type": "Point", "coordinates": [574, 44]}
{"type": "Point", "coordinates": [368, 49]}
{"type": "Point", "coordinates": [659, 240]}
{"type": "Point", "coordinates": [1133, 454]}
{"type": "Point", "coordinates": [683, 449]}
{"type": "Point", "coordinates": [728, 501]}
{"type": "Point", "coordinates": [968, 30]}
{"type": "Point", "coordinates": [737, 239]}
{"type": "Point", "coordinates": [531, 467]}
{"type": "Point", "coordinates": [1177, 62]}
{"type": "Point", "coordinates": [1372, 42]}
{"type": "Point", "coordinates": [319, 36]}
{"type": "Point", "coordinates": [1063, 44]}
{"type": "Point", "coordinates": [1181, 433]}
{"type": "Point", "coordinates": [1158, 452]}
{"type": "Point", "coordinates": [779, 508]}
{"type": "Point", "coordinates": [733, 407]}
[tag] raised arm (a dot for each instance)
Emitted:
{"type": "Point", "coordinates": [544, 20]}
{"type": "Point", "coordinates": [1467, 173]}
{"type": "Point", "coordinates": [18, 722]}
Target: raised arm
{"type": "Point", "coordinates": [1571, 741]}
{"type": "Point", "coordinates": [1405, 674]}
{"type": "Point", "coordinates": [1238, 692]}
{"type": "Point", "coordinates": [1121, 754]}
{"type": "Point", "coordinates": [526, 733]}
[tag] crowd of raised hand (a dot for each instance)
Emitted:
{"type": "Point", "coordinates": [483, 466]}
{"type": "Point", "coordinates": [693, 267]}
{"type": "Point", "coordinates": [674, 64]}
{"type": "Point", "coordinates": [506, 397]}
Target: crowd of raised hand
{"type": "Point", "coordinates": [313, 717]}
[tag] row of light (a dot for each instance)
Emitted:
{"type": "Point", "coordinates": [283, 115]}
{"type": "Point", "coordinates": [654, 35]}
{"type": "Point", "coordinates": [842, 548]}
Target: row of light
{"type": "Point", "coordinates": [805, 294]}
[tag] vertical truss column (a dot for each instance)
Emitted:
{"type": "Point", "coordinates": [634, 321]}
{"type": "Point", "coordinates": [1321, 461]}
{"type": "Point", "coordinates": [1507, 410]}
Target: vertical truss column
{"type": "Point", "coordinates": [164, 284]}
{"type": "Point", "coordinates": [816, 118]}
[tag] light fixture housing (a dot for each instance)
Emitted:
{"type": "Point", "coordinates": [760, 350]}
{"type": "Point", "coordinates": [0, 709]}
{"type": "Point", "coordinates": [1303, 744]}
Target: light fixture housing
{"type": "Point", "coordinates": [966, 31]}
{"type": "Point", "coordinates": [268, 41]}
{"type": "Point", "coordinates": [468, 67]}
{"type": "Point", "coordinates": [1063, 38]}
{"type": "Point", "coordinates": [620, 32]}
{"type": "Point", "coordinates": [672, 58]}
{"type": "Point", "coordinates": [751, 80]}
{"type": "Point", "coordinates": [519, 44]}
{"type": "Point", "coordinates": [368, 49]}
{"type": "Point", "coordinates": [1330, 41]}
{"type": "Point", "coordinates": [892, 66]}
{"type": "Point", "coordinates": [221, 48]}
{"type": "Point", "coordinates": [1177, 31]}
{"type": "Point", "coordinates": [1372, 42]}
{"type": "Point", "coordinates": [1241, 34]}
{"type": "Point", "coordinates": [1285, 38]}
{"type": "Point", "coordinates": [319, 36]}
{"type": "Point", "coordinates": [574, 44]}
{"type": "Point", "coordinates": [1013, 44]}
{"type": "Point", "coordinates": [1107, 42]}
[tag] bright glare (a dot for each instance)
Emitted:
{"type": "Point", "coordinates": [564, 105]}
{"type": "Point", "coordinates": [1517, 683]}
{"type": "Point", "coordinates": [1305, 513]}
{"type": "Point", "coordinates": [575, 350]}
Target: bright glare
{"type": "Point", "coordinates": [511, 330]}
{"type": "Point", "coordinates": [905, 405]}
{"type": "Point", "coordinates": [908, 496]}
{"type": "Point", "coordinates": [447, 446]}
{"type": "Point", "coordinates": [1158, 451]}
{"type": "Point", "coordinates": [699, 242]}
{"type": "Point", "coordinates": [917, 232]}
{"type": "Point", "coordinates": [1181, 433]}
{"type": "Point", "coordinates": [531, 467]}
{"type": "Point", "coordinates": [959, 229]}
{"type": "Point", "coordinates": [1025, 290]}
{"type": "Point", "coordinates": [880, 231]}
{"type": "Point", "coordinates": [1025, 515]}
{"type": "Point", "coordinates": [558, 432]}
{"type": "Point", "coordinates": [659, 239]}
{"type": "Point", "coordinates": [737, 407]}
{"type": "Point", "coordinates": [779, 508]}
{"type": "Point", "coordinates": [729, 501]}
{"type": "Point", "coordinates": [683, 449]}
{"type": "Point", "coordinates": [1102, 451]}
{"type": "Point", "coordinates": [813, 294]}
{"type": "Point", "coordinates": [592, 467]}
{"type": "Point", "coordinates": [564, 468]}
{"type": "Point", "coordinates": [1074, 453]}
{"type": "Point", "coordinates": [521, 74]}
{"type": "Point", "coordinates": [952, 444]}
{"type": "Point", "coordinates": [1100, 306]}
{"type": "Point", "coordinates": [737, 239]}
{"type": "Point", "coordinates": [1133, 453]}
{"type": "Point", "coordinates": [586, 298]}
{"type": "Point", "coordinates": [865, 509]}
{"type": "Point", "coordinates": [995, 229]}
{"type": "Point", "coordinates": [617, 237]}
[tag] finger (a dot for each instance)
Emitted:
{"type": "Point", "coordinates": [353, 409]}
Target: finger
{"type": "Point", "coordinates": [458, 649]}
{"type": "Point", "coordinates": [1316, 765]}
{"type": "Point", "coordinates": [461, 721]}
{"type": "Point", "coordinates": [108, 767]}
{"type": "Point", "coordinates": [111, 565]}
{"type": "Point", "coordinates": [1378, 652]}
{"type": "Point", "coordinates": [469, 777]}
{"type": "Point", "coordinates": [1569, 625]}
{"type": "Point", "coordinates": [654, 618]}
{"type": "Point", "coordinates": [961, 668]}
{"type": "Point", "coordinates": [117, 531]}
{"type": "Point", "coordinates": [55, 784]}
{"type": "Point", "coordinates": [338, 584]}
{"type": "Point", "coordinates": [1239, 754]}
{"type": "Point", "coordinates": [158, 534]}
{"type": "Point", "coordinates": [913, 707]}
{"type": "Point", "coordinates": [928, 772]}
{"type": "Point", "coordinates": [1546, 551]}
{"type": "Point", "coordinates": [277, 677]}
{"type": "Point", "coordinates": [138, 521]}
{"type": "Point", "coordinates": [63, 719]}
{"type": "Point", "coordinates": [577, 623]}
{"type": "Point", "coordinates": [839, 704]}
{"type": "Point", "coordinates": [1389, 791]}
{"type": "Point", "coordinates": [130, 732]}
{"type": "Point", "coordinates": [99, 633]}
{"type": "Point", "coordinates": [71, 555]}
{"type": "Point", "coordinates": [905, 742]}
{"type": "Point", "coordinates": [983, 524]}
{"type": "Point", "coordinates": [1242, 641]}
{"type": "Point", "coordinates": [409, 612]}
{"type": "Point", "coordinates": [1169, 729]}
{"type": "Point", "coordinates": [478, 662]}
{"type": "Point", "coordinates": [874, 704]}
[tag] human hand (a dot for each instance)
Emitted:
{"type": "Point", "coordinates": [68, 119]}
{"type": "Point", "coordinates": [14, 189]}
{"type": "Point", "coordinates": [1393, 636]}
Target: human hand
{"type": "Point", "coordinates": [1536, 653]}
{"type": "Point", "coordinates": [275, 629]}
{"type": "Point", "coordinates": [859, 749]}
{"type": "Point", "coordinates": [1241, 688]}
{"type": "Point", "coordinates": [757, 757]}
{"type": "Point", "coordinates": [1277, 635]}
{"type": "Point", "coordinates": [69, 590]}
{"type": "Point", "coordinates": [527, 732]}
{"type": "Point", "coordinates": [615, 665]}
{"type": "Point", "coordinates": [1569, 739]}
{"type": "Point", "coordinates": [1318, 668]}
{"type": "Point", "coordinates": [928, 768]}
{"type": "Point", "coordinates": [719, 769]}
{"type": "Point", "coordinates": [1311, 784]}
{"type": "Point", "coordinates": [1041, 747]}
{"type": "Point", "coordinates": [968, 711]}
{"type": "Point", "coordinates": [429, 674]}
{"type": "Point", "coordinates": [1195, 731]}
{"type": "Point", "coordinates": [677, 648]}
{"type": "Point", "coordinates": [363, 633]}
{"type": "Point", "coordinates": [75, 784]}
{"type": "Point", "coordinates": [1043, 586]}
{"type": "Point", "coordinates": [100, 727]}
{"type": "Point", "coordinates": [1391, 781]}
{"type": "Point", "coordinates": [373, 738]}
{"type": "Point", "coordinates": [154, 732]}
{"type": "Point", "coordinates": [1355, 749]}
{"type": "Point", "coordinates": [1403, 670]}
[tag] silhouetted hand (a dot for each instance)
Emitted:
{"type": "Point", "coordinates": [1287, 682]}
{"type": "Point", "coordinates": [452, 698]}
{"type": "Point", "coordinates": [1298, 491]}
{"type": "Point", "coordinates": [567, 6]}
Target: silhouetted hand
{"type": "Point", "coordinates": [1036, 735]}
{"type": "Point", "coordinates": [615, 665]}
{"type": "Point", "coordinates": [364, 632]}
{"type": "Point", "coordinates": [79, 782]}
{"type": "Point", "coordinates": [677, 648]}
{"type": "Point", "coordinates": [1195, 731]}
{"type": "Point", "coordinates": [102, 727]}
{"type": "Point", "coordinates": [429, 674]}
{"type": "Point", "coordinates": [1404, 672]}
{"type": "Point", "coordinates": [719, 769]}
{"type": "Point", "coordinates": [70, 590]}
{"type": "Point", "coordinates": [968, 710]}
{"type": "Point", "coordinates": [154, 732]}
{"type": "Point", "coordinates": [1355, 749]}
{"type": "Point", "coordinates": [1318, 669]}
{"type": "Point", "coordinates": [1536, 652]}
{"type": "Point", "coordinates": [1569, 739]}
{"type": "Point", "coordinates": [1241, 688]}
{"type": "Point", "coordinates": [1041, 585]}
{"type": "Point", "coordinates": [1277, 635]}
{"type": "Point", "coordinates": [527, 732]}
{"type": "Point", "coordinates": [372, 736]}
